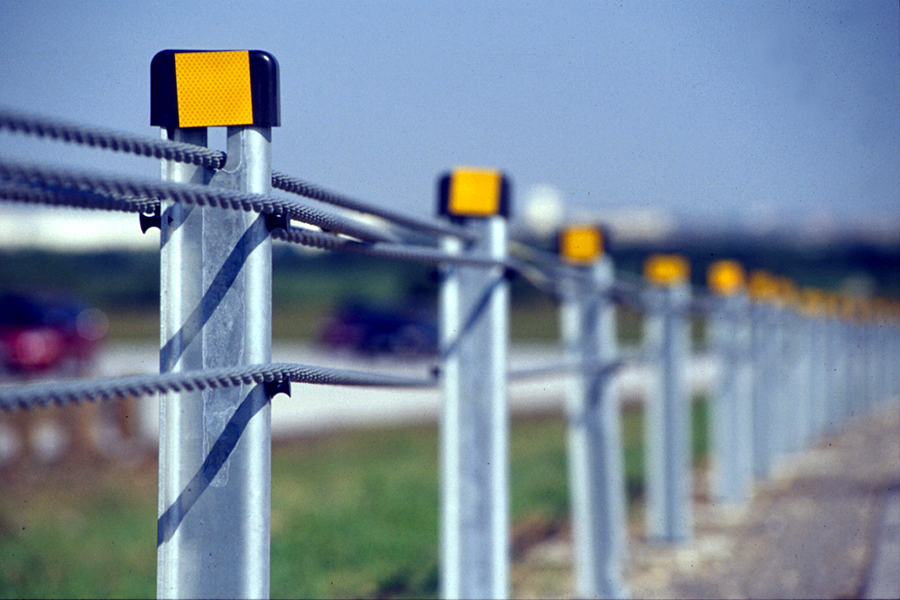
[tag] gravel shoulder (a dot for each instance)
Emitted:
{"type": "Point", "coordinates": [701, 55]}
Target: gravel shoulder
{"type": "Point", "coordinates": [810, 531]}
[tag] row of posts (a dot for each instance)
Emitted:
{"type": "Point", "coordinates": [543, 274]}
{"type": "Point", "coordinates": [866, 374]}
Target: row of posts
{"type": "Point", "coordinates": [787, 372]}
{"type": "Point", "coordinates": [215, 444]}
{"type": "Point", "coordinates": [791, 365]}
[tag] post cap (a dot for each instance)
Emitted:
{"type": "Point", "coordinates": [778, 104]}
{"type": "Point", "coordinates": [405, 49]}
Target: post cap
{"type": "Point", "coordinates": [581, 244]}
{"type": "Point", "coordinates": [725, 277]}
{"type": "Point", "coordinates": [666, 269]}
{"type": "Point", "coordinates": [473, 192]}
{"type": "Point", "coordinates": [763, 286]}
{"type": "Point", "coordinates": [812, 301]}
{"type": "Point", "coordinates": [787, 291]}
{"type": "Point", "coordinates": [203, 88]}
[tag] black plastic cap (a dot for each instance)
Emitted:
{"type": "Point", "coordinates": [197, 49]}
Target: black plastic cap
{"type": "Point", "coordinates": [264, 93]}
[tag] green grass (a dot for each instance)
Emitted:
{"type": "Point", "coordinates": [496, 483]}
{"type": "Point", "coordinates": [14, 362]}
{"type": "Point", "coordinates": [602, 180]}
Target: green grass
{"type": "Point", "coordinates": [353, 514]}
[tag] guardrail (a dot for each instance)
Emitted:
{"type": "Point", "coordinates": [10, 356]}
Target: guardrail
{"type": "Point", "coordinates": [791, 365]}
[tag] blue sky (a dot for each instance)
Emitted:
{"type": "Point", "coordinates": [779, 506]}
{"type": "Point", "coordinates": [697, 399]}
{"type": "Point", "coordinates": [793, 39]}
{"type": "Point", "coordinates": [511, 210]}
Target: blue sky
{"type": "Point", "coordinates": [721, 113]}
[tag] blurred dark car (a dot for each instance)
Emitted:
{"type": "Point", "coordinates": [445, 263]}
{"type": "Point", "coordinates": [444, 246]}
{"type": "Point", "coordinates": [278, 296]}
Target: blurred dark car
{"type": "Point", "coordinates": [371, 330]}
{"type": "Point", "coordinates": [43, 333]}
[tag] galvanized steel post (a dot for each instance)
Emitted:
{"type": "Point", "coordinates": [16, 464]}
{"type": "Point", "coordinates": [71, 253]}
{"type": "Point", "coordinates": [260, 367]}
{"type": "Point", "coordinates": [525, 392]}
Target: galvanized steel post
{"type": "Point", "coordinates": [595, 465]}
{"type": "Point", "coordinates": [814, 308]}
{"type": "Point", "coordinates": [215, 444]}
{"type": "Point", "coordinates": [474, 323]}
{"type": "Point", "coordinates": [766, 348]}
{"type": "Point", "coordinates": [668, 407]}
{"type": "Point", "coordinates": [732, 403]}
{"type": "Point", "coordinates": [779, 417]}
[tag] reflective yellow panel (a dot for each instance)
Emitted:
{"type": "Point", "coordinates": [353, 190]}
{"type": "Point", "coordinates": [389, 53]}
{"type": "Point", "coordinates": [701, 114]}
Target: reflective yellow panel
{"type": "Point", "coordinates": [666, 269]}
{"type": "Point", "coordinates": [581, 244]}
{"type": "Point", "coordinates": [725, 277]}
{"type": "Point", "coordinates": [763, 287]}
{"type": "Point", "coordinates": [213, 89]}
{"type": "Point", "coordinates": [474, 192]}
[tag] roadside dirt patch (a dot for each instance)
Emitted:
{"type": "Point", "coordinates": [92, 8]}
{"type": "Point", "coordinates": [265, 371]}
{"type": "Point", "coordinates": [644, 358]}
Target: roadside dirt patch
{"type": "Point", "coordinates": [808, 532]}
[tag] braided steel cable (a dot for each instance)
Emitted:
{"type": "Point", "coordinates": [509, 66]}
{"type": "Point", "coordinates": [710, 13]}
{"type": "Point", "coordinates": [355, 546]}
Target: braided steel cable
{"type": "Point", "coordinates": [552, 270]}
{"type": "Point", "coordinates": [293, 185]}
{"type": "Point", "coordinates": [187, 194]}
{"type": "Point", "coordinates": [550, 369]}
{"type": "Point", "coordinates": [14, 192]}
{"type": "Point", "coordinates": [402, 252]}
{"type": "Point", "coordinates": [60, 393]}
{"type": "Point", "coordinates": [65, 131]}
{"type": "Point", "coordinates": [564, 367]}
{"type": "Point", "coordinates": [629, 293]}
{"type": "Point", "coordinates": [704, 303]}
{"type": "Point", "coordinates": [421, 254]}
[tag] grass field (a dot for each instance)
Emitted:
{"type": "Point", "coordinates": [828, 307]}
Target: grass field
{"type": "Point", "coordinates": [353, 514]}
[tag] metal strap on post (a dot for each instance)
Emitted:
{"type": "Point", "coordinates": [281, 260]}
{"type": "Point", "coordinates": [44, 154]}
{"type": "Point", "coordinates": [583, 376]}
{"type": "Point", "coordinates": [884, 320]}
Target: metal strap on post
{"type": "Point", "coordinates": [595, 465]}
{"type": "Point", "coordinates": [474, 322]}
{"type": "Point", "coordinates": [216, 297]}
{"type": "Point", "coordinates": [668, 407]}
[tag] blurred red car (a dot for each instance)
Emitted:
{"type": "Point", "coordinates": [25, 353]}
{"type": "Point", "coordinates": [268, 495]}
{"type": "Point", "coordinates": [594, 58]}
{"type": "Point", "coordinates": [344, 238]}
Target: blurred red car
{"type": "Point", "coordinates": [40, 334]}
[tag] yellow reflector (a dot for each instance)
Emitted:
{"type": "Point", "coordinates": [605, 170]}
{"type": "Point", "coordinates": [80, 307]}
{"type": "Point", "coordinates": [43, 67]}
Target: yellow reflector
{"type": "Point", "coordinates": [812, 301]}
{"type": "Point", "coordinates": [763, 286]}
{"type": "Point", "coordinates": [725, 277]}
{"type": "Point", "coordinates": [213, 89]}
{"type": "Point", "coordinates": [474, 192]}
{"type": "Point", "coordinates": [832, 305]}
{"type": "Point", "coordinates": [847, 306]}
{"type": "Point", "coordinates": [581, 244]}
{"type": "Point", "coordinates": [787, 291]}
{"type": "Point", "coordinates": [666, 269]}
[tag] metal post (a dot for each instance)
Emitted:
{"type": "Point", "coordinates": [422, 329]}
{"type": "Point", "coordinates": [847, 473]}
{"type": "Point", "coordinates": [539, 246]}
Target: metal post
{"type": "Point", "coordinates": [794, 397]}
{"type": "Point", "coordinates": [806, 347]}
{"type": "Point", "coordinates": [216, 296]}
{"type": "Point", "coordinates": [766, 354]}
{"type": "Point", "coordinates": [668, 406]}
{"type": "Point", "coordinates": [848, 359]}
{"type": "Point", "coordinates": [818, 373]}
{"type": "Point", "coordinates": [596, 479]}
{"type": "Point", "coordinates": [474, 309]}
{"type": "Point", "coordinates": [836, 372]}
{"type": "Point", "coordinates": [732, 402]}
{"type": "Point", "coordinates": [778, 418]}
{"type": "Point", "coordinates": [215, 445]}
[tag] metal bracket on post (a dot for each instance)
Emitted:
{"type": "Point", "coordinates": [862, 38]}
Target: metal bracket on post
{"type": "Point", "coordinates": [668, 406]}
{"type": "Point", "coordinates": [474, 308]}
{"type": "Point", "coordinates": [216, 302]}
{"type": "Point", "coordinates": [595, 465]}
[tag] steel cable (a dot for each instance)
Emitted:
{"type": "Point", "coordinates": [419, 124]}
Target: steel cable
{"type": "Point", "coordinates": [27, 194]}
{"type": "Point", "coordinates": [63, 179]}
{"type": "Point", "coordinates": [65, 131]}
{"type": "Point", "coordinates": [293, 185]}
{"type": "Point", "coordinates": [56, 129]}
{"type": "Point", "coordinates": [402, 252]}
{"type": "Point", "coordinates": [45, 394]}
